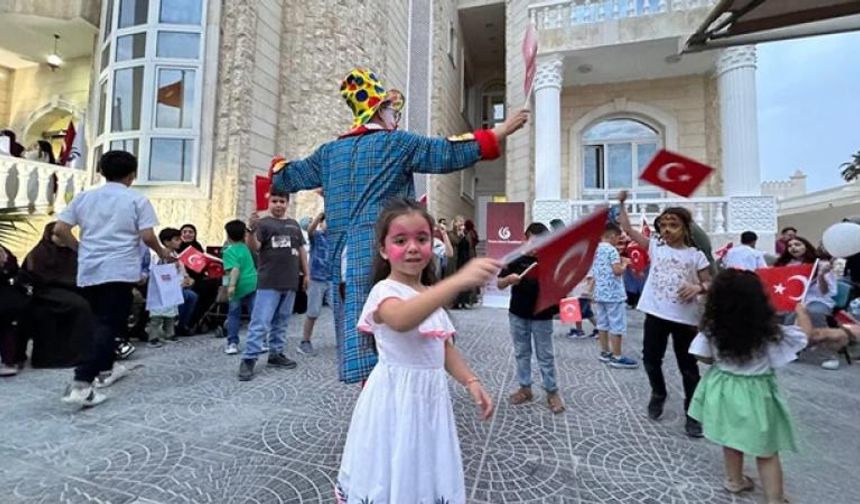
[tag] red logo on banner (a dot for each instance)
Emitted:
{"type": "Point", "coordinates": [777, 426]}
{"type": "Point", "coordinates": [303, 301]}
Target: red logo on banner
{"type": "Point", "coordinates": [785, 285]}
{"type": "Point", "coordinates": [673, 172]}
{"type": "Point", "coordinates": [570, 311]}
{"type": "Point", "coordinates": [564, 257]}
{"type": "Point", "coordinates": [193, 259]}
{"type": "Point", "coordinates": [639, 259]}
{"type": "Point", "coordinates": [505, 227]}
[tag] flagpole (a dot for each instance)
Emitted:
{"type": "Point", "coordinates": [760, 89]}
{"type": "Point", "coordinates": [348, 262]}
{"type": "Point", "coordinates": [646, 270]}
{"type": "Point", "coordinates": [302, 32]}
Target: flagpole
{"type": "Point", "coordinates": [808, 281]}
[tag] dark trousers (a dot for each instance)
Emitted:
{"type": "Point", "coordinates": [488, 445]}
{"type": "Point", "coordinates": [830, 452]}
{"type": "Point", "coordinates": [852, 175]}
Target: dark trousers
{"type": "Point", "coordinates": [111, 305]}
{"type": "Point", "coordinates": [656, 340]}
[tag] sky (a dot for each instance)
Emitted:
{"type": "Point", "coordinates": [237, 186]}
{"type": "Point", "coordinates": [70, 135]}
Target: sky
{"type": "Point", "coordinates": [809, 107]}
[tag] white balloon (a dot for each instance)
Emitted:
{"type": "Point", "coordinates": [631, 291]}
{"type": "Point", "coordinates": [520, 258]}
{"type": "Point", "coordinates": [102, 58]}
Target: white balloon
{"type": "Point", "coordinates": [842, 239]}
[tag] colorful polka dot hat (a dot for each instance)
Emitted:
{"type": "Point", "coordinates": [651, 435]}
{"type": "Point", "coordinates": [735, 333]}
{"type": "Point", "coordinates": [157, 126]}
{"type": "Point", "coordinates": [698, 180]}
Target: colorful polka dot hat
{"type": "Point", "coordinates": [364, 94]}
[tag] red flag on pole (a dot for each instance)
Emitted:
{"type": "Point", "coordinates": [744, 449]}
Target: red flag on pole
{"type": "Point", "coordinates": [570, 311]}
{"type": "Point", "coordinates": [262, 186]}
{"type": "Point", "coordinates": [785, 285]}
{"type": "Point", "coordinates": [639, 259]}
{"type": "Point", "coordinates": [193, 259]}
{"type": "Point", "coordinates": [646, 229]}
{"type": "Point", "coordinates": [563, 258]}
{"type": "Point", "coordinates": [530, 49]}
{"type": "Point", "coordinates": [722, 251]}
{"type": "Point", "coordinates": [68, 141]}
{"type": "Point", "coordinates": [673, 172]}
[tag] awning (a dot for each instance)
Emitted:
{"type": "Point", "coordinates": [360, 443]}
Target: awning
{"type": "Point", "coordinates": [741, 22]}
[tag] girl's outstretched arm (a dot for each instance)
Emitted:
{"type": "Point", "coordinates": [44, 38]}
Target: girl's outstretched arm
{"type": "Point", "coordinates": [405, 314]}
{"type": "Point", "coordinates": [624, 222]}
{"type": "Point", "coordinates": [457, 367]}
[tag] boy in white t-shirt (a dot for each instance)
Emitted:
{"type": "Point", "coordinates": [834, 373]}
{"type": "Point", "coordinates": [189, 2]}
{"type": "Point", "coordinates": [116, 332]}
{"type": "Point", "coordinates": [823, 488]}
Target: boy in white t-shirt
{"type": "Point", "coordinates": [679, 274]}
{"type": "Point", "coordinates": [113, 220]}
{"type": "Point", "coordinates": [745, 256]}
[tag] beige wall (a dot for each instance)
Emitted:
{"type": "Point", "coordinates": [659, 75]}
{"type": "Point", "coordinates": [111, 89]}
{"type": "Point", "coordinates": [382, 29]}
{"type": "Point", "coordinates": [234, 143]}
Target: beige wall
{"type": "Point", "coordinates": [446, 116]}
{"type": "Point", "coordinates": [685, 104]}
{"type": "Point", "coordinates": [35, 87]}
{"type": "Point", "coordinates": [519, 155]}
{"type": "Point", "coordinates": [5, 85]}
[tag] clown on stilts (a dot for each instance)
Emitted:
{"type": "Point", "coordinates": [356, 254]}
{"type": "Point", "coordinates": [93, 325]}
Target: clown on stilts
{"type": "Point", "coordinates": [358, 173]}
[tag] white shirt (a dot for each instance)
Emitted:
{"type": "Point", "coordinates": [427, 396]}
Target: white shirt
{"type": "Point", "coordinates": [814, 292]}
{"type": "Point", "coordinates": [744, 257]}
{"type": "Point", "coordinates": [774, 355]}
{"type": "Point", "coordinates": [670, 269]}
{"type": "Point", "coordinates": [111, 218]}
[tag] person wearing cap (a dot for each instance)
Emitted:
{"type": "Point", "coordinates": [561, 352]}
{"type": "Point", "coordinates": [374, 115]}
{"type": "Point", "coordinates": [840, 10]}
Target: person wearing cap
{"type": "Point", "coordinates": [358, 173]}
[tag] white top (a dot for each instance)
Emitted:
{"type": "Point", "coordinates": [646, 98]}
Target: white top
{"type": "Point", "coordinates": [814, 292]}
{"type": "Point", "coordinates": [670, 269]}
{"type": "Point", "coordinates": [775, 354]}
{"type": "Point", "coordinates": [744, 257]}
{"type": "Point", "coordinates": [111, 218]}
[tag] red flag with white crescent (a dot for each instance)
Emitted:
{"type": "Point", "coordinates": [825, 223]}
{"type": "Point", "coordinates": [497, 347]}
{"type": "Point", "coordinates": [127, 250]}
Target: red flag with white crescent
{"type": "Point", "coordinates": [639, 259]}
{"type": "Point", "coordinates": [563, 258]}
{"type": "Point", "coordinates": [675, 173]}
{"type": "Point", "coordinates": [785, 285]}
{"type": "Point", "coordinates": [569, 311]}
{"type": "Point", "coordinates": [193, 259]}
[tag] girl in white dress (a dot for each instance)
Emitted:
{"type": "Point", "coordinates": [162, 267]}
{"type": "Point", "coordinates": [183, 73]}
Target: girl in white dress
{"type": "Point", "coordinates": [402, 444]}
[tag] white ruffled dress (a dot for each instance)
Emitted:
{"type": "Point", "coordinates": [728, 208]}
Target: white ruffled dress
{"type": "Point", "coordinates": [402, 445]}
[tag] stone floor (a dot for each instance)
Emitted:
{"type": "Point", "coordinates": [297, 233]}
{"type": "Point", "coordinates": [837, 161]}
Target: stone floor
{"type": "Point", "coordinates": [183, 429]}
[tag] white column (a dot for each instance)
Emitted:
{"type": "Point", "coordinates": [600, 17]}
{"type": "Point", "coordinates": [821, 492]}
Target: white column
{"type": "Point", "coordinates": [736, 82]}
{"type": "Point", "coordinates": [548, 128]}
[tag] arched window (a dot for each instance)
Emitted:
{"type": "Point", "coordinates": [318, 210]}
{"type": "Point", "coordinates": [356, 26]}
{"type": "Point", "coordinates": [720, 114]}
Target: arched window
{"type": "Point", "coordinates": [615, 151]}
{"type": "Point", "coordinates": [149, 90]}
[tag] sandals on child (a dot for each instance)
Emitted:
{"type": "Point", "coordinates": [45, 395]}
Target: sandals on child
{"type": "Point", "coordinates": [745, 485]}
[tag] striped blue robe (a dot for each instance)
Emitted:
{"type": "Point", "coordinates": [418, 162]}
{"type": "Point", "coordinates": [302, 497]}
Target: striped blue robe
{"type": "Point", "coordinates": [358, 175]}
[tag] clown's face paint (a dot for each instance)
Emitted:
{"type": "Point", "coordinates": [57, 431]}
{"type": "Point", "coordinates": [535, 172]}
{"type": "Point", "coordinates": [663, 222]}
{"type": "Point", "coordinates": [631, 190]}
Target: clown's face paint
{"type": "Point", "coordinates": [408, 247]}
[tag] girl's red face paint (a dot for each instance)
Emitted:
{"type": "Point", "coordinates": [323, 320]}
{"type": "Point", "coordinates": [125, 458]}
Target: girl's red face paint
{"type": "Point", "coordinates": [408, 245]}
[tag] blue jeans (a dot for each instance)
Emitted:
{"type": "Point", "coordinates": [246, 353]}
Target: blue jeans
{"type": "Point", "coordinates": [234, 316]}
{"type": "Point", "coordinates": [272, 310]}
{"type": "Point", "coordinates": [523, 332]}
{"type": "Point", "coordinates": [186, 309]}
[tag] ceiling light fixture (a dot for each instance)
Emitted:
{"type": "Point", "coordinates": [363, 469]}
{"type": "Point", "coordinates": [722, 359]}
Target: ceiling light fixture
{"type": "Point", "coordinates": [54, 59]}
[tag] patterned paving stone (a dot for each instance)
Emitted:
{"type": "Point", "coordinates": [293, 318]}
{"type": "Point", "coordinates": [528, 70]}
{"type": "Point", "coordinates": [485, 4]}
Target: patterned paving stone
{"type": "Point", "coordinates": [182, 429]}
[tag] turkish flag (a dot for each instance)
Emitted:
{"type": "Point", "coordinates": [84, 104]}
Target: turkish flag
{"type": "Point", "coordinates": [563, 258]}
{"type": "Point", "coordinates": [530, 49]}
{"type": "Point", "coordinates": [722, 251]}
{"type": "Point", "coordinates": [785, 285]}
{"type": "Point", "coordinates": [193, 259]}
{"type": "Point", "coordinates": [570, 311]}
{"type": "Point", "coordinates": [639, 259]}
{"type": "Point", "coordinates": [646, 229]}
{"type": "Point", "coordinates": [262, 185]}
{"type": "Point", "coordinates": [675, 173]}
{"type": "Point", "coordinates": [68, 141]}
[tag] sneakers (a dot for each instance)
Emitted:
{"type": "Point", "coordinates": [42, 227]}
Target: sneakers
{"type": "Point", "coordinates": [604, 356]}
{"type": "Point", "coordinates": [305, 347]}
{"type": "Point", "coordinates": [124, 350]}
{"type": "Point", "coordinates": [594, 334]}
{"type": "Point", "coordinates": [246, 369]}
{"type": "Point", "coordinates": [155, 343]}
{"type": "Point", "coordinates": [522, 395]}
{"type": "Point", "coordinates": [693, 428]}
{"type": "Point", "coordinates": [280, 360]}
{"type": "Point", "coordinates": [108, 378]}
{"type": "Point", "coordinates": [622, 362]}
{"type": "Point", "coordinates": [8, 370]}
{"type": "Point", "coordinates": [655, 407]}
{"type": "Point", "coordinates": [830, 364]}
{"type": "Point", "coordinates": [554, 402]}
{"type": "Point", "coordinates": [576, 334]}
{"type": "Point", "coordinates": [231, 349]}
{"type": "Point", "coordinates": [83, 395]}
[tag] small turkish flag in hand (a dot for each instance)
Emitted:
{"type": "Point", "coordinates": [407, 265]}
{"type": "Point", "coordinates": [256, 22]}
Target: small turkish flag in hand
{"type": "Point", "coordinates": [262, 186]}
{"type": "Point", "coordinates": [785, 285]}
{"type": "Point", "coordinates": [563, 258]}
{"type": "Point", "coordinates": [673, 172]}
{"type": "Point", "coordinates": [193, 259]}
{"type": "Point", "coordinates": [639, 259]}
{"type": "Point", "coordinates": [570, 311]}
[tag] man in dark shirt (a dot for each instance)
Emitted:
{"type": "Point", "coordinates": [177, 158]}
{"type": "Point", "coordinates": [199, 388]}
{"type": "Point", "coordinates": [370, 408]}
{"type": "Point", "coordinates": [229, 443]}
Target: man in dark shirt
{"type": "Point", "coordinates": [528, 326]}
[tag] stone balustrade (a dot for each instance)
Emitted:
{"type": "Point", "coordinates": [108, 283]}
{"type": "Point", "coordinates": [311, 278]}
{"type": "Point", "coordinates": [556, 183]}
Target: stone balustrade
{"type": "Point", "coordinates": [564, 13]}
{"type": "Point", "coordinates": [37, 186]}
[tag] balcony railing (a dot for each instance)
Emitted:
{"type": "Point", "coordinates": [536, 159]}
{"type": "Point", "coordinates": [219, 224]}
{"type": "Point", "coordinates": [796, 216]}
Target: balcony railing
{"type": "Point", "coordinates": [37, 186]}
{"type": "Point", "coordinates": [708, 213]}
{"type": "Point", "coordinates": [565, 13]}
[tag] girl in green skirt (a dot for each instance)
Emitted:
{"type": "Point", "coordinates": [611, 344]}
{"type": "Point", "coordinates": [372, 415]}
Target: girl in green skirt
{"type": "Point", "coordinates": [738, 401]}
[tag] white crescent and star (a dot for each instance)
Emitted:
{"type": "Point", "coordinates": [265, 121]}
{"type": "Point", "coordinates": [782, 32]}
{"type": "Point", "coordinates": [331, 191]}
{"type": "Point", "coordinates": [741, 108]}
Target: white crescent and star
{"type": "Point", "coordinates": [663, 173]}
{"type": "Point", "coordinates": [799, 278]}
